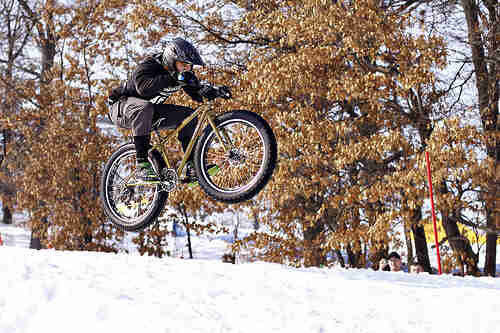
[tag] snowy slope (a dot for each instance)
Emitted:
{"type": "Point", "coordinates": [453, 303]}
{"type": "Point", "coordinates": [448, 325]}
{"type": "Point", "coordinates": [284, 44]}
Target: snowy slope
{"type": "Point", "coordinates": [52, 291]}
{"type": "Point", "coordinates": [12, 235]}
{"type": "Point", "coordinates": [208, 247]}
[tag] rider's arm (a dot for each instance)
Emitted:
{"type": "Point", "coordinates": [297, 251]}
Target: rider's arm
{"type": "Point", "coordinates": [150, 77]}
{"type": "Point", "coordinates": [191, 86]}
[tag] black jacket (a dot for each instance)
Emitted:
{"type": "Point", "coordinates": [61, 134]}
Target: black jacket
{"type": "Point", "coordinates": [148, 79]}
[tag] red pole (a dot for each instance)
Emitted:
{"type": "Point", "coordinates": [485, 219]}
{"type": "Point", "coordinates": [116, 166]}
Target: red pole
{"type": "Point", "coordinates": [432, 208]}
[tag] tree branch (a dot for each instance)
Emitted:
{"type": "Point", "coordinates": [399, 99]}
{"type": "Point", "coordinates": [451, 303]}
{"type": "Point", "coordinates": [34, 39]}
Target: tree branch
{"type": "Point", "coordinates": [12, 88]}
{"type": "Point", "coordinates": [24, 69]}
{"type": "Point", "coordinates": [461, 219]}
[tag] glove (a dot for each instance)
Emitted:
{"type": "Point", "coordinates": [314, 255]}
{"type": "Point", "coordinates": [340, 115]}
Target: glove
{"type": "Point", "coordinates": [209, 92]}
{"type": "Point", "coordinates": [193, 93]}
{"type": "Point", "coordinates": [225, 92]}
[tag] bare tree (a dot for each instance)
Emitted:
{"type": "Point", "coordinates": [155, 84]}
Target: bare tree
{"type": "Point", "coordinates": [483, 21]}
{"type": "Point", "coordinates": [15, 33]}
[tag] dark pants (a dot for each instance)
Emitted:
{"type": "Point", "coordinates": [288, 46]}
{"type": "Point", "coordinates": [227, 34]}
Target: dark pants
{"type": "Point", "coordinates": [139, 115]}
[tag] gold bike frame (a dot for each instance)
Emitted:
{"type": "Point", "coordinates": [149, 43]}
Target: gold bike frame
{"type": "Point", "coordinates": [204, 115]}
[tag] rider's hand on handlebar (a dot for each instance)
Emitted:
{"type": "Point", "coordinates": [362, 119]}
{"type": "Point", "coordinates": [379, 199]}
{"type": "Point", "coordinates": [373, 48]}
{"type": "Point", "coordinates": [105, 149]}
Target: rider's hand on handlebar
{"type": "Point", "coordinates": [210, 92]}
{"type": "Point", "coordinates": [225, 92]}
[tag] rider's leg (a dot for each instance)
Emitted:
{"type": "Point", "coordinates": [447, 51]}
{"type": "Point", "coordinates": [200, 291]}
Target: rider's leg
{"type": "Point", "coordinates": [140, 114]}
{"type": "Point", "coordinates": [174, 115]}
{"type": "Point", "coordinates": [141, 147]}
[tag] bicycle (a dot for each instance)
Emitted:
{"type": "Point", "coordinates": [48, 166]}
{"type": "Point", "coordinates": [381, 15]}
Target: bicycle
{"type": "Point", "coordinates": [239, 145]}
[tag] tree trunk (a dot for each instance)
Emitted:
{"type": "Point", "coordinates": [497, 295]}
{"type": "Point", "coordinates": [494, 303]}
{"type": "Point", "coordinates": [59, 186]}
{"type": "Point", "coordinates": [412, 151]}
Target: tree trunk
{"type": "Point", "coordinates": [409, 245]}
{"type": "Point", "coordinates": [47, 41]}
{"type": "Point", "coordinates": [37, 235]}
{"type": "Point", "coordinates": [13, 42]}
{"type": "Point", "coordinates": [487, 85]}
{"type": "Point", "coordinates": [7, 214]}
{"type": "Point", "coordinates": [188, 231]}
{"type": "Point", "coordinates": [491, 254]}
{"type": "Point", "coordinates": [190, 249]}
{"type": "Point", "coordinates": [354, 257]}
{"type": "Point", "coordinates": [421, 249]}
{"type": "Point", "coordinates": [35, 242]}
{"type": "Point", "coordinates": [492, 209]}
{"type": "Point", "coordinates": [460, 245]}
{"type": "Point", "coordinates": [493, 148]}
{"type": "Point", "coordinates": [340, 258]}
{"type": "Point", "coordinates": [313, 256]}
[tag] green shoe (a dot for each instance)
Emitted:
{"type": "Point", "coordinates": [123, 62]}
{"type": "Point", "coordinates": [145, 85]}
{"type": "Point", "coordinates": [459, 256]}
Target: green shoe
{"type": "Point", "coordinates": [145, 172]}
{"type": "Point", "coordinates": [191, 178]}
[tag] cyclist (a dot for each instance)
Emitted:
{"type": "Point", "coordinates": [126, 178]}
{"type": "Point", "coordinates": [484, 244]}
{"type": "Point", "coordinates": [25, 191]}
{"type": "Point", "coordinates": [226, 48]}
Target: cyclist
{"type": "Point", "coordinates": [138, 103]}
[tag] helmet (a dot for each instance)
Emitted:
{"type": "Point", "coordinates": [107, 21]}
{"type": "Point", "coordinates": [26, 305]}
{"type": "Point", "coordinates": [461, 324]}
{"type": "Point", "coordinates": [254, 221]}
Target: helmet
{"type": "Point", "coordinates": [180, 50]}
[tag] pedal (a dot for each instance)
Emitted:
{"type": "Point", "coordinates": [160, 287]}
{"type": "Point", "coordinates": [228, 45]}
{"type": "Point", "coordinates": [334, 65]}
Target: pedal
{"type": "Point", "coordinates": [212, 171]}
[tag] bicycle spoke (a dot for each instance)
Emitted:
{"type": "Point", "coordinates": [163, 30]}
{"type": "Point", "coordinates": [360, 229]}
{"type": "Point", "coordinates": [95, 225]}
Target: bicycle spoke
{"type": "Point", "coordinates": [242, 162]}
{"type": "Point", "coordinates": [253, 150]}
{"type": "Point", "coordinates": [130, 201]}
{"type": "Point", "coordinates": [138, 209]}
{"type": "Point", "coordinates": [239, 175]}
{"type": "Point", "coordinates": [216, 156]}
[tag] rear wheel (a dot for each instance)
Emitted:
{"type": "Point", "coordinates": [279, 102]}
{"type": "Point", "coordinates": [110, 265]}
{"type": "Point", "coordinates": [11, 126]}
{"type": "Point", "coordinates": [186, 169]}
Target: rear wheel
{"type": "Point", "coordinates": [130, 204]}
{"type": "Point", "coordinates": [245, 162]}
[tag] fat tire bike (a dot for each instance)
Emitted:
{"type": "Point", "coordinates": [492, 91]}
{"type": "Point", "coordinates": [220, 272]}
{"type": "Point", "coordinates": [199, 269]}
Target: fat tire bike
{"type": "Point", "coordinates": [239, 145]}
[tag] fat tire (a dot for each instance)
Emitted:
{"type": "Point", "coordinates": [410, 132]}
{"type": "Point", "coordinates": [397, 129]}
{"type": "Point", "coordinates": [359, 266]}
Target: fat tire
{"type": "Point", "coordinates": [158, 204]}
{"type": "Point", "coordinates": [270, 147]}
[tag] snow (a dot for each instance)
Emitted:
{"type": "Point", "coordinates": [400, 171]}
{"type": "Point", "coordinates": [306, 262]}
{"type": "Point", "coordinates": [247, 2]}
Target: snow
{"type": "Point", "coordinates": [42, 291]}
{"type": "Point", "coordinates": [14, 236]}
{"type": "Point", "coordinates": [57, 291]}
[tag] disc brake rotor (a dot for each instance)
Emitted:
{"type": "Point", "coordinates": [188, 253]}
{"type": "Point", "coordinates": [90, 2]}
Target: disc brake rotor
{"type": "Point", "coordinates": [241, 162]}
{"type": "Point", "coordinates": [236, 157]}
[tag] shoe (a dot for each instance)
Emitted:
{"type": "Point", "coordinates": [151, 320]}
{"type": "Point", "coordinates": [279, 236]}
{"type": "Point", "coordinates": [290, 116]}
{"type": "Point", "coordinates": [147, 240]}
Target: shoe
{"type": "Point", "coordinates": [191, 178]}
{"type": "Point", "coordinates": [145, 172]}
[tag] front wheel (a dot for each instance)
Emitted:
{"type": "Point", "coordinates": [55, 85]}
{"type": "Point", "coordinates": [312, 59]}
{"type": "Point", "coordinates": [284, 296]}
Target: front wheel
{"type": "Point", "coordinates": [244, 161]}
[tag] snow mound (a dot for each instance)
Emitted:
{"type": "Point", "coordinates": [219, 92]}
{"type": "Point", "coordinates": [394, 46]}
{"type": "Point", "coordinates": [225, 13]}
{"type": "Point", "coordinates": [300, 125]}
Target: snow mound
{"type": "Point", "coordinates": [55, 291]}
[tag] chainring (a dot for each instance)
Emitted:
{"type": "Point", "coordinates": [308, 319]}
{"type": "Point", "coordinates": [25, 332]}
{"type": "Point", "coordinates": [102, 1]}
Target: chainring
{"type": "Point", "coordinates": [169, 180]}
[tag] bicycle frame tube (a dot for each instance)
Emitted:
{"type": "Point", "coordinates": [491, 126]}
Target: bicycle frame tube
{"type": "Point", "coordinates": [204, 116]}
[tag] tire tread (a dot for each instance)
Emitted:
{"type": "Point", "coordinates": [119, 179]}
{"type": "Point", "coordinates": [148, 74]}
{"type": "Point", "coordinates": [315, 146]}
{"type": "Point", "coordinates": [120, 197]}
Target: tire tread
{"type": "Point", "coordinates": [269, 141]}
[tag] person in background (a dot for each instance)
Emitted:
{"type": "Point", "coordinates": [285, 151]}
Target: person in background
{"type": "Point", "coordinates": [416, 268]}
{"type": "Point", "coordinates": [395, 262]}
{"type": "Point", "coordinates": [392, 264]}
{"type": "Point", "coordinates": [384, 265]}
